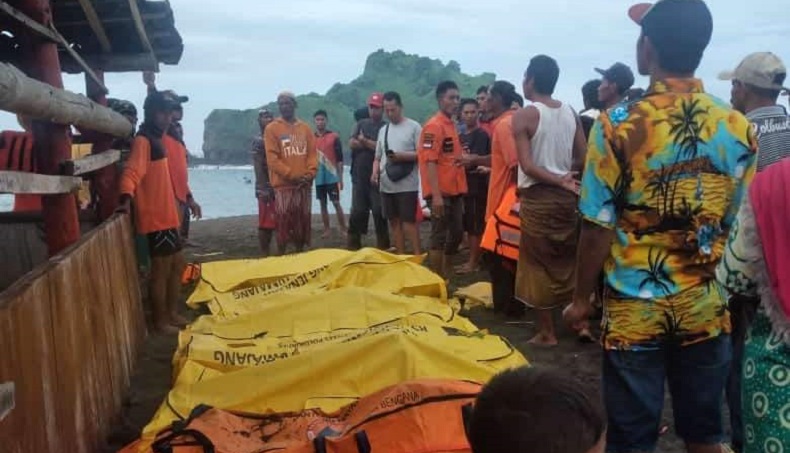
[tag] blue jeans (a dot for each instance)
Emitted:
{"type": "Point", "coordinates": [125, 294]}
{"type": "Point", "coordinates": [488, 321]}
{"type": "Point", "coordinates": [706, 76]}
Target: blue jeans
{"type": "Point", "coordinates": [633, 388]}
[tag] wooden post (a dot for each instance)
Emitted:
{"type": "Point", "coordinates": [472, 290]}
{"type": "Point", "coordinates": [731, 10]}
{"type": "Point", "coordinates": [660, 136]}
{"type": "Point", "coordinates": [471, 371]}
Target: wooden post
{"type": "Point", "coordinates": [104, 183]}
{"type": "Point", "coordinates": [52, 145]}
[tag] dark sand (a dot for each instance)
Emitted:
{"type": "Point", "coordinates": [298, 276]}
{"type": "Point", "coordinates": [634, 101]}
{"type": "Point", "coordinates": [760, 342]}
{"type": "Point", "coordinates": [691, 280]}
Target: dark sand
{"type": "Point", "coordinates": [237, 238]}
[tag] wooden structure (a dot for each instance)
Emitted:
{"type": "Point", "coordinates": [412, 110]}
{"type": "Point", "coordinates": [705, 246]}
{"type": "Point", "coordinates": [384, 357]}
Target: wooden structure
{"type": "Point", "coordinates": [69, 332]}
{"type": "Point", "coordinates": [71, 327]}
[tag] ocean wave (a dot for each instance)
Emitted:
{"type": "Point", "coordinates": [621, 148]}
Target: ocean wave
{"type": "Point", "coordinates": [204, 167]}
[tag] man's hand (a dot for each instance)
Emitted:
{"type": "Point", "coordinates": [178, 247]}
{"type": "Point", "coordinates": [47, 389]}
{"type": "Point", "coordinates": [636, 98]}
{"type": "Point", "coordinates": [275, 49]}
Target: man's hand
{"type": "Point", "coordinates": [195, 209]}
{"type": "Point", "coordinates": [340, 186]}
{"type": "Point", "coordinates": [125, 206]}
{"type": "Point", "coordinates": [577, 313]}
{"type": "Point", "coordinates": [305, 181]}
{"type": "Point", "coordinates": [265, 195]}
{"type": "Point", "coordinates": [465, 160]}
{"type": "Point", "coordinates": [375, 176]}
{"type": "Point", "coordinates": [149, 78]}
{"type": "Point", "coordinates": [570, 183]}
{"type": "Point", "coordinates": [437, 207]}
{"type": "Point", "coordinates": [482, 170]}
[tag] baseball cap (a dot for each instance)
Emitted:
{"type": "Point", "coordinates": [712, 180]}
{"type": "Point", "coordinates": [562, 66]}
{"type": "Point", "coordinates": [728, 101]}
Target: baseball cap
{"type": "Point", "coordinates": [675, 23]}
{"type": "Point", "coordinates": [620, 74]}
{"type": "Point", "coordinates": [376, 100]}
{"type": "Point", "coordinates": [175, 97]}
{"type": "Point", "coordinates": [158, 101]}
{"type": "Point", "coordinates": [760, 69]}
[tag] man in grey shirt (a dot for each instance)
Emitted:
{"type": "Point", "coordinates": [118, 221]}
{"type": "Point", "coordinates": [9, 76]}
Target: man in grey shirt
{"type": "Point", "coordinates": [756, 85]}
{"type": "Point", "coordinates": [395, 171]}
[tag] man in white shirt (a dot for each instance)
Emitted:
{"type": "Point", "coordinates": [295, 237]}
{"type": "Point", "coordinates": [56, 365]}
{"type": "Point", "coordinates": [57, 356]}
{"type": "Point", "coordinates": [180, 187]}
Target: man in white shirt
{"type": "Point", "coordinates": [395, 171]}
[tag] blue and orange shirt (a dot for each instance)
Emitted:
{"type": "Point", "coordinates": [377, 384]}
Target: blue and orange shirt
{"type": "Point", "coordinates": [667, 173]}
{"type": "Point", "coordinates": [330, 158]}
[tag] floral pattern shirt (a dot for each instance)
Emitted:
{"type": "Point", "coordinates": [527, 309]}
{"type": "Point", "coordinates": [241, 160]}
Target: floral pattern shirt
{"type": "Point", "coordinates": [667, 173]}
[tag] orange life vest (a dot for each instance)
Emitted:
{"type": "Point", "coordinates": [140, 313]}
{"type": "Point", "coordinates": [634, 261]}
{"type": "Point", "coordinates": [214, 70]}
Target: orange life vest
{"type": "Point", "coordinates": [503, 229]}
{"type": "Point", "coordinates": [426, 416]}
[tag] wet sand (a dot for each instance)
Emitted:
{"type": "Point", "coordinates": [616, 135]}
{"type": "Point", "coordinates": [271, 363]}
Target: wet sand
{"type": "Point", "coordinates": [236, 237]}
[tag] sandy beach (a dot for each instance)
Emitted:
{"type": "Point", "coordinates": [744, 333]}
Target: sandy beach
{"type": "Point", "coordinates": [236, 237]}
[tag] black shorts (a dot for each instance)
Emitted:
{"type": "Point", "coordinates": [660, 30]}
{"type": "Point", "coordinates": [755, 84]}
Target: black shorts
{"type": "Point", "coordinates": [399, 206]}
{"type": "Point", "coordinates": [448, 230]}
{"type": "Point", "coordinates": [327, 191]}
{"type": "Point", "coordinates": [475, 213]}
{"type": "Point", "coordinates": [164, 243]}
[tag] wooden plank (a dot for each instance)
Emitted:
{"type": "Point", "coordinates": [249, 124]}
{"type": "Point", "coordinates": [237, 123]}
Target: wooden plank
{"type": "Point", "coordinates": [23, 95]}
{"type": "Point", "coordinates": [32, 183]}
{"type": "Point", "coordinates": [91, 163]}
{"type": "Point", "coordinates": [140, 26]}
{"type": "Point", "coordinates": [116, 63]}
{"type": "Point", "coordinates": [53, 35]}
{"type": "Point", "coordinates": [96, 25]}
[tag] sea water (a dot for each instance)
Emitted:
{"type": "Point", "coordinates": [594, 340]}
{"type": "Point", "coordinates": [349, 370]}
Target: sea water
{"type": "Point", "coordinates": [226, 191]}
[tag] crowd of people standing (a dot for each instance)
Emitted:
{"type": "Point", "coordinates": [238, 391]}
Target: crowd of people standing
{"type": "Point", "coordinates": [647, 199]}
{"type": "Point", "coordinates": [666, 206]}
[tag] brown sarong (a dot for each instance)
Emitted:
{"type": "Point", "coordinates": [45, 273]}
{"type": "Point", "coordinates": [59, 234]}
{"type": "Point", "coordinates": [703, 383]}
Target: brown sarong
{"type": "Point", "coordinates": [292, 205]}
{"type": "Point", "coordinates": [546, 272]}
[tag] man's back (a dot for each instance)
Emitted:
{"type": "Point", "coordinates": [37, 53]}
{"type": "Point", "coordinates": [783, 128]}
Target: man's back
{"type": "Point", "coordinates": [772, 127]}
{"type": "Point", "coordinates": [668, 173]}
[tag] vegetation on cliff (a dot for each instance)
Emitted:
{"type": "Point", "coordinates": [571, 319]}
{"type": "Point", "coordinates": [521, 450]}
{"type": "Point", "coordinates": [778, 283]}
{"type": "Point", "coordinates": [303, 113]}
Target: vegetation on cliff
{"type": "Point", "coordinates": [228, 133]}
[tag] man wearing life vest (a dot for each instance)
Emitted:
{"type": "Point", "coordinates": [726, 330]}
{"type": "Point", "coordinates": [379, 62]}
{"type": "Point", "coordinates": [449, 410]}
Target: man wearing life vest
{"type": "Point", "coordinates": [502, 232]}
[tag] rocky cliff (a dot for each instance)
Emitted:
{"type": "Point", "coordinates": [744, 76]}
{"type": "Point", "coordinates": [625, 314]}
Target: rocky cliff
{"type": "Point", "coordinates": [227, 133]}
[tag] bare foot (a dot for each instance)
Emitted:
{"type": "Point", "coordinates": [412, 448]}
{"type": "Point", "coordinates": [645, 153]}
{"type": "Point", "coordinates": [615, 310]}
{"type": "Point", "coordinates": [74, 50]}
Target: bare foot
{"type": "Point", "coordinates": [585, 336]}
{"type": "Point", "coordinates": [165, 329]}
{"type": "Point", "coordinates": [465, 269]}
{"type": "Point", "coordinates": [178, 320]}
{"type": "Point", "coordinates": [542, 339]}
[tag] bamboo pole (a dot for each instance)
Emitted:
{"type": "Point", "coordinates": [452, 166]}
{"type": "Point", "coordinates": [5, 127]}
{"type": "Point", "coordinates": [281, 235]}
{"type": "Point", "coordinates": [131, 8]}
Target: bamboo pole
{"type": "Point", "coordinates": [24, 95]}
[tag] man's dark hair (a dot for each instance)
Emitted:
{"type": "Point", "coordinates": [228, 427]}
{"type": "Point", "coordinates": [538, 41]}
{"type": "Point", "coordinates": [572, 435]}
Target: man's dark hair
{"type": "Point", "coordinates": [482, 89]}
{"type": "Point", "coordinates": [444, 87]}
{"type": "Point", "coordinates": [361, 114]}
{"type": "Point", "coordinates": [536, 409]}
{"type": "Point", "coordinates": [590, 94]}
{"type": "Point", "coordinates": [469, 101]}
{"type": "Point", "coordinates": [320, 113]}
{"type": "Point", "coordinates": [680, 31]}
{"type": "Point", "coordinates": [769, 93]}
{"type": "Point", "coordinates": [505, 91]}
{"type": "Point", "coordinates": [519, 100]}
{"type": "Point", "coordinates": [393, 96]}
{"type": "Point", "coordinates": [544, 73]}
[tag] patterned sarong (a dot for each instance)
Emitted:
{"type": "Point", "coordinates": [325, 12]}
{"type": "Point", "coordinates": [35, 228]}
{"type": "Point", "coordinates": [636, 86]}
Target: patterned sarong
{"type": "Point", "coordinates": [293, 205]}
{"type": "Point", "coordinates": [547, 252]}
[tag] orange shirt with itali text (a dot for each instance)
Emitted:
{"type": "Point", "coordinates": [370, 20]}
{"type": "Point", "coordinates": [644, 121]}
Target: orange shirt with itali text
{"type": "Point", "coordinates": [290, 152]}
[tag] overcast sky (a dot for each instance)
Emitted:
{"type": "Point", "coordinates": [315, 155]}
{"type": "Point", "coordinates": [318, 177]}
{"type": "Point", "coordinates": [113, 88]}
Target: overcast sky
{"type": "Point", "coordinates": [240, 53]}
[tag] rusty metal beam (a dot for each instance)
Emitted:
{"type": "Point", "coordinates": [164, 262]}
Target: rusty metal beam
{"type": "Point", "coordinates": [96, 25]}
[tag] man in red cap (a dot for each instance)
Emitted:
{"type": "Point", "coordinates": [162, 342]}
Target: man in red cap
{"type": "Point", "coordinates": [365, 197]}
{"type": "Point", "coordinates": [663, 180]}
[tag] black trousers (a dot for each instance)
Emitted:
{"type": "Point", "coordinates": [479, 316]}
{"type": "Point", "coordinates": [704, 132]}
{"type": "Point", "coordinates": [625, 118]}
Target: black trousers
{"type": "Point", "coordinates": [366, 200]}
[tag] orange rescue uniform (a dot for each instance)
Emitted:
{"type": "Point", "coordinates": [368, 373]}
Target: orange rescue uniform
{"type": "Point", "coordinates": [504, 160]}
{"type": "Point", "coordinates": [177, 164]}
{"type": "Point", "coordinates": [439, 143]}
{"type": "Point", "coordinates": [146, 177]}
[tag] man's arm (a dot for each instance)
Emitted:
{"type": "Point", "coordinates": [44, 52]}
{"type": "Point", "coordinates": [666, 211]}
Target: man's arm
{"type": "Point", "coordinates": [579, 147]}
{"type": "Point", "coordinates": [134, 171]}
{"type": "Point", "coordinates": [273, 156]}
{"type": "Point", "coordinates": [601, 173]}
{"type": "Point", "coordinates": [339, 159]}
{"type": "Point", "coordinates": [430, 140]}
{"type": "Point", "coordinates": [312, 155]}
{"type": "Point", "coordinates": [525, 122]}
{"type": "Point", "coordinates": [354, 142]}
{"type": "Point", "coordinates": [374, 177]}
{"type": "Point", "coordinates": [261, 176]}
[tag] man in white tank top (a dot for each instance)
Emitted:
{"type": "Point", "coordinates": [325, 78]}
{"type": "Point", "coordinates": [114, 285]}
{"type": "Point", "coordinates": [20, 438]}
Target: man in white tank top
{"type": "Point", "coordinates": [551, 149]}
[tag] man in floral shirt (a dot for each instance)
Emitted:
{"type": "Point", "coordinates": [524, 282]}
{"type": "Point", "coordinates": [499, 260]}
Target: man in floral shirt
{"type": "Point", "coordinates": [663, 181]}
